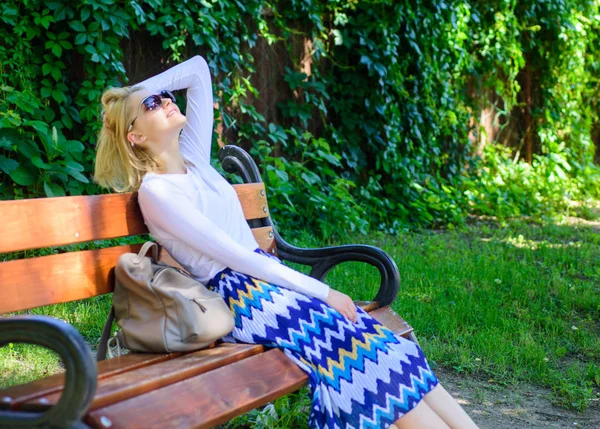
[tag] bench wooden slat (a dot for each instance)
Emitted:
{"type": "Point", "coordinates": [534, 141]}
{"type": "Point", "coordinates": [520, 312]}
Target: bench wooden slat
{"type": "Point", "coordinates": [45, 222]}
{"type": "Point", "coordinates": [207, 399]}
{"type": "Point", "coordinates": [253, 199]}
{"type": "Point", "coordinates": [29, 283]}
{"type": "Point", "coordinates": [389, 318]}
{"type": "Point", "coordinates": [13, 397]}
{"type": "Point", "coordinates": [265, 238]}
{"type": "Point", "coordinates": [152, 377]}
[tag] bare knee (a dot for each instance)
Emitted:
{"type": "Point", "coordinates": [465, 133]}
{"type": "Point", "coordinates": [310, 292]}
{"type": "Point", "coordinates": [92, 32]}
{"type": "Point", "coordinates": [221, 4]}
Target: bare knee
{"type": "Point", "coordinates": [420, 417]}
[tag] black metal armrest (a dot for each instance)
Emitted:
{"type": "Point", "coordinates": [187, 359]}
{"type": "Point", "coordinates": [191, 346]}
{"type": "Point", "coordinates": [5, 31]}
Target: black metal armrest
{"type": "Point", "coordinates": [323, 259]}
{"type": "Point", "coordinates": [80, 374]}
{"type": "Point", "coordinates": [236, 160]}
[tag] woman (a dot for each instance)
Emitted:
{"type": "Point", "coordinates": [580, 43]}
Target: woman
{"type": "Point", "coordinates": [361, 375]}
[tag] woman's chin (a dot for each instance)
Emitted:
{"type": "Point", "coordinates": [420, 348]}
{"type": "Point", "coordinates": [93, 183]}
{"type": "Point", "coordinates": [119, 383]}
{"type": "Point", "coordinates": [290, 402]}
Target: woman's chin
{"type": "Point", "coordinates": [179, 118]}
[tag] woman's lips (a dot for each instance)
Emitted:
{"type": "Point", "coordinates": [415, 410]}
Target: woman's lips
{"type": "Point", "coordinates": [171, 113]}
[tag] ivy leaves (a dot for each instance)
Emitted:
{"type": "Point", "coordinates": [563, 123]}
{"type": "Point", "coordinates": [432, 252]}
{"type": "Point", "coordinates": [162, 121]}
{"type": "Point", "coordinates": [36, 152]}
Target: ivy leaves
{"type": "Point", "coordinates": [46, 119]}
{"type": "Point", "coordinates": [387, 89]}
{"type": "Point", "coordinates": [57, 43]}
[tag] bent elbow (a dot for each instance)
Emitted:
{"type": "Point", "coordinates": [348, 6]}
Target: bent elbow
{"type": "Point", "coordinates": [200, 65]}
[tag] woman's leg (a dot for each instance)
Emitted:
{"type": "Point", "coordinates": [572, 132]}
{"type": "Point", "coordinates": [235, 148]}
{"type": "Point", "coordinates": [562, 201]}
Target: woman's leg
{"type": "Point", "coordinates": [420, 417]}
{"type": "Point", "coordinates": [445, 406]}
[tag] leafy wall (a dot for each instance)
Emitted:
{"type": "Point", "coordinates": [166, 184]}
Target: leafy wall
{"type": "Point", "coordinates": [361, 113]}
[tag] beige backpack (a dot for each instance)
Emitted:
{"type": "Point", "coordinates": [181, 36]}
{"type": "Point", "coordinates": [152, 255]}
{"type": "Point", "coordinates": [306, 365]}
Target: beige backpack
{"type": "Point", "coordinates": [162, 309]}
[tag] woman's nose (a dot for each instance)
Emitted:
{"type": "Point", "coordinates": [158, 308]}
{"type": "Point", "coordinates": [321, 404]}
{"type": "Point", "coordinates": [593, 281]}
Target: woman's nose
{"type": "Point", "coordinates": [166, 102]}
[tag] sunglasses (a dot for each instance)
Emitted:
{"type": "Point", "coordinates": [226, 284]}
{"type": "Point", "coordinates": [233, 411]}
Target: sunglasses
{"type": "Point", "coordinates": [152, 102]}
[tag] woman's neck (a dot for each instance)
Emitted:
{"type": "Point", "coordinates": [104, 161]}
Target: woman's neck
{"type": "Point", "coordinates": [171, 161]}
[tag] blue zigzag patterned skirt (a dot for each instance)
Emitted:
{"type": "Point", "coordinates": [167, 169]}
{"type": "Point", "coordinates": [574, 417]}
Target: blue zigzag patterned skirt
{"type": "Point", "coordinates": [361, 375]}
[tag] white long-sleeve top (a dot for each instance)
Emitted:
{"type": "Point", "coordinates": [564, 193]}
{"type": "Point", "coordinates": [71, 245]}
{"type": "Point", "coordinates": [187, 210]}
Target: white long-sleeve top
{"type": "Point", "coordinates": [197, 216]}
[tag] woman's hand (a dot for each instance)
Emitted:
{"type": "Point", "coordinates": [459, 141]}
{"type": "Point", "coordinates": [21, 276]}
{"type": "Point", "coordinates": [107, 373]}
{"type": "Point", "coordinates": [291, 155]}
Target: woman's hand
{"type": "Point", "coordinates": [342, 303]}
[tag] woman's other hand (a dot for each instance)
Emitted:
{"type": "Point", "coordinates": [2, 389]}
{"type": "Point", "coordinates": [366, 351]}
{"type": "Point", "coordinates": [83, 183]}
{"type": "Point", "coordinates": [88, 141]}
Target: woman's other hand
{"type": "Point", "coordinates": [342, 303]}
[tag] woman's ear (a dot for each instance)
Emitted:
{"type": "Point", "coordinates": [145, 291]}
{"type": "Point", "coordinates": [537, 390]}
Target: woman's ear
{"type": "Point", "coordinates": [135, 138]}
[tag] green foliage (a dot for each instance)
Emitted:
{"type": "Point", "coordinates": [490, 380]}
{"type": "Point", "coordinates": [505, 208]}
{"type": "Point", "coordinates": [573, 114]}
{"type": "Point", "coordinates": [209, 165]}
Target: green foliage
{"type": "Point", "coordinates": [507, 188]}
{"type": "Point", "coordinates": [561, 45]}
{"type": "Point", "coordinates": [310, 185]}
{"type": "Point", "coordinates": [46, 121]}
{"type": "Point", "coordinates": [290, 411]}
{"type": "Point", "coordinates": [379, 134]}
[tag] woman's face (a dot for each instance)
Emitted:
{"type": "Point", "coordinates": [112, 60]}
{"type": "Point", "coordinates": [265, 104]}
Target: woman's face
{"type": "Point", "coordinates": [154, 129]}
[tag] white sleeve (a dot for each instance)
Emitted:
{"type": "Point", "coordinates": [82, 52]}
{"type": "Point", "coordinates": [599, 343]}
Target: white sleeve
{"type": "Point", "coordinates": [193, 75]}
{"type": "Point", "coordinates": [168, 208]}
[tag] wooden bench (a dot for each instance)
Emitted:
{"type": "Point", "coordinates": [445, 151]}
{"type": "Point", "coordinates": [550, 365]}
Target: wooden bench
{"type": "Point", "coordinates": [179, 390]}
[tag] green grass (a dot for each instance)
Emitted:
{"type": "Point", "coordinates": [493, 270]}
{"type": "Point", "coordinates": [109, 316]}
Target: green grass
{"type": "Point", "coordinates": [509, 304]}
{"type": "Point", "coordinates": [512, 304]}
{"type": "Point", "coordinates": [20, 363]}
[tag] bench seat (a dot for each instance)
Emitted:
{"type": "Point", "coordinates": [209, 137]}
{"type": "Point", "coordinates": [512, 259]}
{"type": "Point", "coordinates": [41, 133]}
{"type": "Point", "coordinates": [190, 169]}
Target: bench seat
{"type": "Point", "coordinates": [178, 390]}
{"type": "Point", "coordinates": [195, 390]}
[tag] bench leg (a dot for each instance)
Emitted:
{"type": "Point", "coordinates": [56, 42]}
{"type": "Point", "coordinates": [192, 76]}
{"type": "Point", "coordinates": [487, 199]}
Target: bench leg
{"type": "Point", "coordinates": [413, 338]}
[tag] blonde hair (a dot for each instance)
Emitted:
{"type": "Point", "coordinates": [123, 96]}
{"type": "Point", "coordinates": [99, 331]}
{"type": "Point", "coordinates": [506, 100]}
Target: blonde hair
{"type": "Point", "coordinates": [119, 165]}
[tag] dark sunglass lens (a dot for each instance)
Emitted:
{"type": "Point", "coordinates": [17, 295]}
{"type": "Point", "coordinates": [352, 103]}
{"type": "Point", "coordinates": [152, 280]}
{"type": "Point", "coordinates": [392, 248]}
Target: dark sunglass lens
{"type": "Point", "coordinates": [152, 102]}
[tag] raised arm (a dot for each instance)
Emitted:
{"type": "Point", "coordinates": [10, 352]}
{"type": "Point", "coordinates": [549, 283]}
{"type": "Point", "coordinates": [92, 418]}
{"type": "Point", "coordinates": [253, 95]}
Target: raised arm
{"type": "Point", "coordinates": [169, 209]}
{"type": "Point", "coordinates": [193, 75]}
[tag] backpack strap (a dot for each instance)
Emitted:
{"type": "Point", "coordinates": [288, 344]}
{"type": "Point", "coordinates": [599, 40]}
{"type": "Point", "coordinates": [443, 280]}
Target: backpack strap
{"type": "Point", "coordinates": [144, 250]}
{"type": "Point", "coordinates": [101, 354]}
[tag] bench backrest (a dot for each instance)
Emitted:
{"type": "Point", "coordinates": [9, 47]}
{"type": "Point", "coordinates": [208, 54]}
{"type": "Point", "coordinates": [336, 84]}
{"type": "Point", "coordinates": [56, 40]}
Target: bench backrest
{"type": "Point", "coordinates": [46, 222]}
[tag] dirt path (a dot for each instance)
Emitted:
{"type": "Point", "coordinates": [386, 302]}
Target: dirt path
{"type": "Point", "coordinates": [498, 407]}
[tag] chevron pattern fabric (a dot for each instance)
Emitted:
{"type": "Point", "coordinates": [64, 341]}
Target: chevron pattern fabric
{"type": "Point", "coordinates": [361, 375]}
